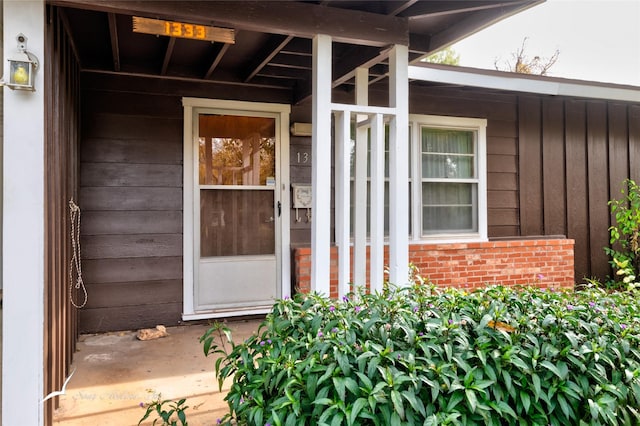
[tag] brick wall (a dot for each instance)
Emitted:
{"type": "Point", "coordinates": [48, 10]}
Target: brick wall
{"type": "Point", "coordinates": [545, 263]}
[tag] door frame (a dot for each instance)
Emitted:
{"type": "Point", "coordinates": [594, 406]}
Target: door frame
{"type": "Point", "coordinates": [191, 107]}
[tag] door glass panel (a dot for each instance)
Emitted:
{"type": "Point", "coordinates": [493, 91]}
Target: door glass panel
{"type": "Point", "coordinates": [236, 222]}
{"type": "Point", "coordinates": [236, 150]}
{"type": "Point", "coordinates": [237, 181]}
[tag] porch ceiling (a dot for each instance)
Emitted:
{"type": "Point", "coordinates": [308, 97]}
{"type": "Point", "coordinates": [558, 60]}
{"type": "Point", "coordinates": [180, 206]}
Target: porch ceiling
{"type": "Point", "coordinates": [273, 38]}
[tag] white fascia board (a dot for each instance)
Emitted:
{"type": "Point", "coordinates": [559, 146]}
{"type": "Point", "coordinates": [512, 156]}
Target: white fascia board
{"type": "Point", "coordinates": [513, 82]}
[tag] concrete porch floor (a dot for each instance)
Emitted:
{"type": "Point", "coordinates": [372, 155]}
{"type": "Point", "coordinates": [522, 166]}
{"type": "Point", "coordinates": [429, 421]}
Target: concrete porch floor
{"type": "Point", "coordinates": [115, 372]}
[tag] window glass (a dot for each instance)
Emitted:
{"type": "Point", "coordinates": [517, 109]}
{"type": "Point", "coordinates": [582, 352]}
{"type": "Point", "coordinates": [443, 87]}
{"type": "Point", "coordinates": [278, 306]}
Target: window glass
{"type": "Point", "coordinates": [448, 207]}
{"type": "Point", "coordinates": [447, 154]}
{"type": "Point", "coordinates": [445, 158]}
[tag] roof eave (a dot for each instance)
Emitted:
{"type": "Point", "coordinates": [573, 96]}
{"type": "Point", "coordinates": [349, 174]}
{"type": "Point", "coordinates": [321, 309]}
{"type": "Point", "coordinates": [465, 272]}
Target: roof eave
{"type": "Point", "coordinates": [525, 83]}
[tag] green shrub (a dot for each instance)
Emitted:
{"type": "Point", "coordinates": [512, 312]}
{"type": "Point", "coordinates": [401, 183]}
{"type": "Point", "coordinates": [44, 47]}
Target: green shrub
{"type": "Point", "coordinates": [625, 237]}
{"type": "Point", "coordinates": [418, 355]}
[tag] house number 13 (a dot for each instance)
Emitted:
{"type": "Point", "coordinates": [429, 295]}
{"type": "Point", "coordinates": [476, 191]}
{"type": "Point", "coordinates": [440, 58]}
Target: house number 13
{"type": "Point", "coordinates": [303, 157]}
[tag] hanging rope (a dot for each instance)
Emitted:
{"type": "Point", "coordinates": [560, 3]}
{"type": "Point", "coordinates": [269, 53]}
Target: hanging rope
{"type": "Point", "coordinates": [74, 212]}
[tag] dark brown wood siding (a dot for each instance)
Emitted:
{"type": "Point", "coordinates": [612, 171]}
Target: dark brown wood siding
{"type": "Point", "coordinates": [500, 110]}
{"type": "Point", "coordinates": [62, 90]}
{"type": "Point", "coordinates": [553, 163]}
{"type": "Point", "coordinates": [574, 165]}
{"type": "Point", "coordinates": [131, 196]}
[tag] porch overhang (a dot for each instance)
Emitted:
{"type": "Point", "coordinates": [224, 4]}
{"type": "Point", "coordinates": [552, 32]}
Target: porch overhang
{"type": "Point", "coordinates": [279, 46]}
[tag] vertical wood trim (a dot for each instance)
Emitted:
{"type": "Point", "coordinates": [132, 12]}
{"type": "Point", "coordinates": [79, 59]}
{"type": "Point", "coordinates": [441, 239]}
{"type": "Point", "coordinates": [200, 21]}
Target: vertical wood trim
{"type": "Point", "coordinates": [597, 177]}
{"type": "Point", "coordinates": [618, 148]}
{"type": "Point", "coordinates": [483, 178]}
{"type": "Point", "coordinates": [377, 204]}
{"type": "Point", "coordinates": [49, 339]}
{"type": "Point", "coordinates": [343, 201]}
{"type": "Point", "coordinates": [529, 152]}
{"type": "Point", "coordinates": [321, 165]}
{"type": "Point", "coordinates": [360, 185]}
{"type": "Point", "coordinates": [283, 195]}
{"type": "Point", "coordinates": [61, 139]}
{"type": "Point", "coordinates": [634, 143]}
{"type": "Point", "coordinates": [577, 185]}
{"type": "Point", "coordinates": [416, 182]}
{"type": "Point", "coordinates": [553, 170]}
{"type": "Point", "coordinates": [398, 173]}
{"type": "Point", "coordinates": [53, 207]}
{"type": "Point", "coordinates": [190, 256]}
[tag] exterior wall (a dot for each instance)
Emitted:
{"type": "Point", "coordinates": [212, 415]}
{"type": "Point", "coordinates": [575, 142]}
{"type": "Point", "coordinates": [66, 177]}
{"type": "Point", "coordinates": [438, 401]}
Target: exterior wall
{"type": "Point", "coordinates": [1, 141]}
{"type": "Point", "coordinates": [552, 165]}
{"type": "Point", "coordinates": [573, 157]}
{"type": "Point", "coordinates": [62, 75]}
{"type": "Point", "coordinates": [131, 201]}
{"type": "Point", "coordinates": [500, 110]}
{"type": "Point", "coordinates": [131, 197]}
{"type": "Point", "coordinates": [546, 263]}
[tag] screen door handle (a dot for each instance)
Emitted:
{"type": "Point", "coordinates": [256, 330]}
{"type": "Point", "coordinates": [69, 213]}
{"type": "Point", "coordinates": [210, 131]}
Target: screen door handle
{"type": "Point", "coordinates": [279, 208]}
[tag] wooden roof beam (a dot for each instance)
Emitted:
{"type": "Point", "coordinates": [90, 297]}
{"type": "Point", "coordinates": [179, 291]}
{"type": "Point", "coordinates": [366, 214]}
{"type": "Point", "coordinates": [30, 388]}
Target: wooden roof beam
{"type": "Point", "coordinates": [167, 55]}
{"type": "Point", "coordinates": [345, 68]}
{"type": "Point", "coordinates": [216, 61]}
{"type": "Point", "coordinates": [406, 5]}
{"type": "Point", "coordinates": [343, 25]}
{"type": "Point", "coordinates": [115, 48]}
{"type": "Point", "coordinates": [72, 42]}
{"type": "Point", "coordinates": [273, 47]}
{"type": "Point", "coordinates": [441, 8]}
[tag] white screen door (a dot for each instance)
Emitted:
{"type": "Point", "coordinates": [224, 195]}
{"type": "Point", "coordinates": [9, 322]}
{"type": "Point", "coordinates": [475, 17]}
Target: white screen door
{"type": "Point", "coordinates": [236, 201]}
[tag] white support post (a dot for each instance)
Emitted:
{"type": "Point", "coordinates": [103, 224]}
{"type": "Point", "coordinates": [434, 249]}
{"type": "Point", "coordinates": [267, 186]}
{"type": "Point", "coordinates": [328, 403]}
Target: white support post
{"type": "Point", "coordinates": [360, 187]}
{"type": "Point", "coordinates": [376, 254]}
{"type": "Point", "coordinates": [23, 220]}
{"type": "Point", "coordinates": [398, 173]}
{"type": "Point", "coordinates": [321, 166]}
{"type": "Point", "coordinates": [343, 202]}
{"type": "Point", "coordinates": [416, 183]}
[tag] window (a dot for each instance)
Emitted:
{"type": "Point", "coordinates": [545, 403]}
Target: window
{"type": "Point", "coordinates": [448, 202]}
{"type": "Point", "coordinates": [451, 196]}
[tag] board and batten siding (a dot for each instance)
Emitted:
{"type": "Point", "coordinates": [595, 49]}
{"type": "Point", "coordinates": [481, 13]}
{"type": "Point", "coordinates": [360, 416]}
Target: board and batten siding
{"type": "Point", "coordinates": [574, 158]}
{"type": "Point", "coordinates": [131, 200]}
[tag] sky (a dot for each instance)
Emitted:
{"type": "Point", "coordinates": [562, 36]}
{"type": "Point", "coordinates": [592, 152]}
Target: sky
{"type": "Point", "coordinates": [599, 40]}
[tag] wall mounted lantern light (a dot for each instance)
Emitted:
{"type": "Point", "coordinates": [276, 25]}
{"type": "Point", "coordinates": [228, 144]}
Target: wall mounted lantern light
{"type": "Point", "coordinates": [22, 68]}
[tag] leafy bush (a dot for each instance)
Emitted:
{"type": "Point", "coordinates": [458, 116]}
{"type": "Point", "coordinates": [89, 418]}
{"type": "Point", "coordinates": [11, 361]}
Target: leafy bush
{"type": "Point", "coordinates": [625, 237]}
{"type": "Point", "coordinates": [419, 355]}
{"type": "Point", "coordinates": [164, 411]}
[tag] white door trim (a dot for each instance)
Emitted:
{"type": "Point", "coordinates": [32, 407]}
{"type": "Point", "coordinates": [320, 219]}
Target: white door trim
{"type": "Point", "coordinates": [282, 194]}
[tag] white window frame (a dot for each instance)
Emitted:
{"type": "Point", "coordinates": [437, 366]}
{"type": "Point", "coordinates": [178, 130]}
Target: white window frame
{"type": "Point", "coordinates": [479, 127]}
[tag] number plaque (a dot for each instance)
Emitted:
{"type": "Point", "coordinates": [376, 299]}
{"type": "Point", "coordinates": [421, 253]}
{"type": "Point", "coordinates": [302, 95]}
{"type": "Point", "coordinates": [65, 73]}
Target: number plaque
{"type": "Point", "coordinates": [183, 30]}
